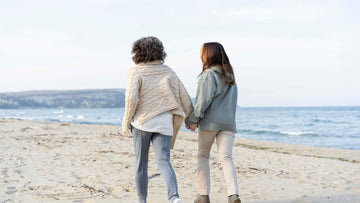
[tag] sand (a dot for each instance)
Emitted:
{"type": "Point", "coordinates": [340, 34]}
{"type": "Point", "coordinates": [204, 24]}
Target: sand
{"type": "Point", "coordinates": [45, 162]}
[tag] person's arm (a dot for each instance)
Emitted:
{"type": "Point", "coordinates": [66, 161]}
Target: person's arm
{"type": "Point", "coordinates": [204, 96]}
{"type": "Point", "coordinates": [131, 99]}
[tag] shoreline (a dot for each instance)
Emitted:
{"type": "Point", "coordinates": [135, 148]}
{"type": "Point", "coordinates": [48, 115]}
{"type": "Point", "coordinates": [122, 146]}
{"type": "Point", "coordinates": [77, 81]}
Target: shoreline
{"type": "Point", "coordinates": [45, 161]}
{"type": "Point", "coordinates": [248, 143]}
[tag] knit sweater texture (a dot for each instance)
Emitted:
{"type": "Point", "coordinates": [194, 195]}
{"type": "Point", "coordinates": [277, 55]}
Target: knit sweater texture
{"type": "Point", "coordinates": [154, 88]}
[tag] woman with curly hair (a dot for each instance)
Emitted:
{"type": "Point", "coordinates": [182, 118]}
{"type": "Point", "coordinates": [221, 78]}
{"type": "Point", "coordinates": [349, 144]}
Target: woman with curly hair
{"type": "Point", "coordinates": [156, 104]}
{"type": "Point", "coordinates": [214, 112]}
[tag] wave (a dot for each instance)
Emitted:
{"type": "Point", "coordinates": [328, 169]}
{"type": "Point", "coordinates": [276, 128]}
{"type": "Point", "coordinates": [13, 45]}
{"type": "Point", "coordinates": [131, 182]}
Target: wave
{"type": "Point", "coordinates": [298, 133]}
{"type": "Point", "coordinates": [53, 120]}
{"type": "Point", "coordinates": [69, 116]}
{"type": "Point", "coordinates": [279, 133]}
{"type": "Point", "coordinates": [321, 121]}
{"type": "Point", "coordinates": [328, 121]}
{"type": "Point", "coordinates": [81, 122]}
{"type": "Point", "coordinates": [58, 112]}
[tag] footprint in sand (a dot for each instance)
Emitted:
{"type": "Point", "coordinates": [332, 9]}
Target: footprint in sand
{"type": "Point", "coordinates": [11, 190]}
{"type": "Point", "coordinates": [5, 172]}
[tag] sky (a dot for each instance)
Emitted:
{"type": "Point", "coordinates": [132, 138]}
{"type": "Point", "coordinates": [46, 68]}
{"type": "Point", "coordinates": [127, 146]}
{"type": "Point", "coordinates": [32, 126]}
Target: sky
{"type": "Point", "coordinates": [284, 53]}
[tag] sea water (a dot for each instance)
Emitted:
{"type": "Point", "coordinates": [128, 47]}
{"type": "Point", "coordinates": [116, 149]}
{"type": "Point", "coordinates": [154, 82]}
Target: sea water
{"type": "Point", "coordinates": [335, 127]}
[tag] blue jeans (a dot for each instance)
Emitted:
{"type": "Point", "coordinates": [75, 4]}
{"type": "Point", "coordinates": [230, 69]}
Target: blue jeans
{"type": "Point", "coordinates": [161, 144]}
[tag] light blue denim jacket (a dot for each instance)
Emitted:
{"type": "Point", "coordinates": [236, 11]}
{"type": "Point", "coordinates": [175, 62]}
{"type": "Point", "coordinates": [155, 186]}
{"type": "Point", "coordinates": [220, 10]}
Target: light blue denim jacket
{"type": "Point", "coordinates": [215, 106]}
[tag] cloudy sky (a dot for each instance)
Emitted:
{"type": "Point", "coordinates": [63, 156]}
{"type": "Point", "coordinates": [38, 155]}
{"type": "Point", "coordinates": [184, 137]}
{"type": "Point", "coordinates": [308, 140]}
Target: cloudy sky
{"type": "Point", "coordinates": [285, 53]}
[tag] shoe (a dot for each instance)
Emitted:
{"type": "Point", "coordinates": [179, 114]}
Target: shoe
{"type": "Point", "coordinates": [202, 199]}
{"type": "Point", "coordinates": [177, 200]}
{"type": "Point", "coordinates": [234, 199]}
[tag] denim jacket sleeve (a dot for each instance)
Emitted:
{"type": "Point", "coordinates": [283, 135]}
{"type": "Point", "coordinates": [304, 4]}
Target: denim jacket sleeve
{"type": "Point", "coordinates": [205, 94]}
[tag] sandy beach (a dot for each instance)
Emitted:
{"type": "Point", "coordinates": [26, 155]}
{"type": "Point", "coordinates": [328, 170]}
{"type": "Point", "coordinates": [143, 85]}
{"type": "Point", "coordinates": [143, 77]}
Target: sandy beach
{"type": "Point", "coordinates": [46, 162]}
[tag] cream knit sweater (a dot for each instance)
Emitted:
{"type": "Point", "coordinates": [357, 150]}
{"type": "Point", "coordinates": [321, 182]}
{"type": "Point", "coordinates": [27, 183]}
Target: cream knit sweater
{"type": "Point", "coordinates": [153, 88]}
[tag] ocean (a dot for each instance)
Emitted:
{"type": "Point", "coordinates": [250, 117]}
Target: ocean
{"type": "Point", "coordinates": [334, 127]}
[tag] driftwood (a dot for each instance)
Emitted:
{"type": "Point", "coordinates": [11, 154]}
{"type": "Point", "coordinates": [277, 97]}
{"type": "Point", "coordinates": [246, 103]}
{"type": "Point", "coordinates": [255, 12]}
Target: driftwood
{"type": "Point", "coordinates": [121, 135]}
{"type": "Point", "coordinates": [93, 190]}
{"type": "Point", "coordinates": [154, 175]}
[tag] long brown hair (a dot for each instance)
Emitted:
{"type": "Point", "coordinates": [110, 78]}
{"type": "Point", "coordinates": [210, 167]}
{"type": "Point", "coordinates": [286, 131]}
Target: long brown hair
{"type": "Point", "coordinates": [213, 54]}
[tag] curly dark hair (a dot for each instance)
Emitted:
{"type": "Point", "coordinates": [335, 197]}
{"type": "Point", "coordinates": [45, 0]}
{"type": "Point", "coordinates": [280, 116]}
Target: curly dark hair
{"type": "Point", "coordinates": [148, 49]}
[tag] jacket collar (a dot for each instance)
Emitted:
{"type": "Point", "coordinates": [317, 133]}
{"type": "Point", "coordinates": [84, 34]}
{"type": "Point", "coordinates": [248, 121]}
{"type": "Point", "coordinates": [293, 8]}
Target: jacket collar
{"type": "Point", "coordinates": [216, 69]}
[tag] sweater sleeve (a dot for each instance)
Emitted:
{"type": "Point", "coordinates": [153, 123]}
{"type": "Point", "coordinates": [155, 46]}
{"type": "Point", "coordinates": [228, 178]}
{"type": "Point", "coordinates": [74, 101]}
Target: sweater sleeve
{"type": "Point", "coordinates": [204, 96]}
{"type": "Point", "coordinates": [185, 100]}
{"type": "Point", "coordinates": [131, 100]}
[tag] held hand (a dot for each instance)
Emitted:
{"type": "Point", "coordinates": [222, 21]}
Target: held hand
{"type": "Point", "coordinates": [193, 127]}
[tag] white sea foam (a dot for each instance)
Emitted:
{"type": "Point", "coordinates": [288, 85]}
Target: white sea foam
{"type": "Point", "coordinates": [297, 133]}
{"type": "Point", "coordinates": [69, 116]}
{"type": "Point", "coordinates": [58, 112]}
{"type": "Point", "coordinates": [80, 117]}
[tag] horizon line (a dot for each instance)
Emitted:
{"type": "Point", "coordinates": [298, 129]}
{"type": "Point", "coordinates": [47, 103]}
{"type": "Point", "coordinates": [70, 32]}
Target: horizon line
{"type": "Point", "coordinates": [262, 106]}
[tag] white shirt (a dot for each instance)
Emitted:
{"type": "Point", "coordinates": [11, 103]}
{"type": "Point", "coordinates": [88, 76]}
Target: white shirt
{"type": "Point", "coordinates": [161, 123]}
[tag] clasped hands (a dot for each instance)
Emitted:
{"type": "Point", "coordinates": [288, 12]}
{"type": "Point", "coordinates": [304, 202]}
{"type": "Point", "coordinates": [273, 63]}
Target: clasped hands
{"type": "Point", "coordinates": [191, 127]}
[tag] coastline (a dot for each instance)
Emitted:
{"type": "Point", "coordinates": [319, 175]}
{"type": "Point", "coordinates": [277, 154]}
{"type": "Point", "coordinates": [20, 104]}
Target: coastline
{"type": "Point", "coordinates": [43, 161]}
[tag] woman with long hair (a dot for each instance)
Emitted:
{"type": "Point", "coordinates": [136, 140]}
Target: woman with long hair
{"type": "Point", "coordinates": [214, 114]}
{"type": "Point", "coordinates": [155, 104]}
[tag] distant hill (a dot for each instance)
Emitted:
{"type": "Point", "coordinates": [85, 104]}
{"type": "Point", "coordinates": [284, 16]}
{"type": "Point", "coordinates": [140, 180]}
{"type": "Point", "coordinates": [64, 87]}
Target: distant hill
{"type": "Point", "coordinates": [91, 98]}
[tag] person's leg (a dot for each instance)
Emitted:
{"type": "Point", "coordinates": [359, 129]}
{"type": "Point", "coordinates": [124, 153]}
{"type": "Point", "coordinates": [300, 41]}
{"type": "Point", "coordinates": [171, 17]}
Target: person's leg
{"type": "Point", "coordinates": [225, 143]}
{"type": "Point", "coordinates": [141, 145]}
{"type": "Point", "coordinates": [206, 139]}
{"type": "Point", "coordinates": [161, 144]}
